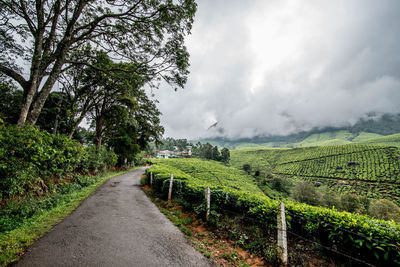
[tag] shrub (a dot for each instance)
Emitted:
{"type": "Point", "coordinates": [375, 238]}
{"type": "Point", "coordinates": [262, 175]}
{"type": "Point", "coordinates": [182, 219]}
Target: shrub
{"type": "Point", "coordinates": [280, 184]}
{"type": "Point", "coordinates": [99, 160]}
{"type": "Point", "coordinates": [385, 209]}
{"type": "Point", "coordinates": [247, 168]}
{"type": "Point", "coordinates": [305, 192]}
{"type": "Point", "coordinates": [329, 198]}
{"type": "Point", "coordinates": [352, 203]}
{"type": "Point", "coordinates": [29, 156]}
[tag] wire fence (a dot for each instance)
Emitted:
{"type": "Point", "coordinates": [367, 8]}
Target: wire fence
{"type": "Point", "coordinates": [313, 242]}
{"type": "Point", "coordinates": [331, 249]}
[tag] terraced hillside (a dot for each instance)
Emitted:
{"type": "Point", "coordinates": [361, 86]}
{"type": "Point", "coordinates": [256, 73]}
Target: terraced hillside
{"type": "Point", "coordinates": [363, 169]}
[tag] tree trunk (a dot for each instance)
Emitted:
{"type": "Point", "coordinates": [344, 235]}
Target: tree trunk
{"type": "Point", "coordinates": [44, 93]}
{"type": "Point", "coordinates": [78, 121]}
{"type": "Point", "coordinates": [74, 127]}
{"type": "Point", "coordinates": [99, 131]}
{"type": "Point", "coordinates": [26, 102]}
{"type": "Point", "coordinates": [34, 81]}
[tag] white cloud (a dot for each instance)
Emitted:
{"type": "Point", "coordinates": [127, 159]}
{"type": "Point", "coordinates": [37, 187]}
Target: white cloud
{"type": "Point", "coordinates": [277, 67]}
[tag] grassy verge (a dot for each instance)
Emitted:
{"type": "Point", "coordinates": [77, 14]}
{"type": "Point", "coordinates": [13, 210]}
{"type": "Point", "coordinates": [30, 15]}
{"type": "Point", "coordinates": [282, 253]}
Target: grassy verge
{"type": "Point", "coordinates": [14, 242]}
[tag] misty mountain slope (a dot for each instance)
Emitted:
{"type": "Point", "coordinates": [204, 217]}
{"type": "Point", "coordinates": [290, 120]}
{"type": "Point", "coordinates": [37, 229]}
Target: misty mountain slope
{"type": "Point", "coordinates": [368, 170]}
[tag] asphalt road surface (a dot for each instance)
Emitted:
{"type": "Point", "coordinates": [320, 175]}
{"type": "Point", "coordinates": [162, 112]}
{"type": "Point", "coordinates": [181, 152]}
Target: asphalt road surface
{"type": "Point", "coordinates": [116, 226]}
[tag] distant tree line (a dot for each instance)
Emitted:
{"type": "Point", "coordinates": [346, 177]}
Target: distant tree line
{"type": "Point", "coordinates": [173, 144]}
{"type": "Point", "coordinates": [199, 150]}
{"type": "Point", "coordinates": [207, 151]}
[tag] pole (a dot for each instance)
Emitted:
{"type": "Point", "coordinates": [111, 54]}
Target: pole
{"type": "Point", "coordinates": [208, 201]}
{"type": "Point", "coordinates": [170, 188]}
{"type": "Point", "coordinates": [282, 237]}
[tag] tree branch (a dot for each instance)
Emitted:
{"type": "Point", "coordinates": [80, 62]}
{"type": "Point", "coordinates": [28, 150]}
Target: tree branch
{"type": "Point", "coordinates": [14, 75]}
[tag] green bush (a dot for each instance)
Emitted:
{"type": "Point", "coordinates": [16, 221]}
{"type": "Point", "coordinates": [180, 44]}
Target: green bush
{"type": "Point", "coordinates": [17, 210]}
{"type": "Point", "coordinates": [385, 209]}
{"type": "Point", "coordinates": [28, 156]}
{"type": "Point", "coordinates": [354, 203]}
{"type": "Point", "coordinates": [305, 192]}
{"type": "Point", "coordinates": [99, 160]}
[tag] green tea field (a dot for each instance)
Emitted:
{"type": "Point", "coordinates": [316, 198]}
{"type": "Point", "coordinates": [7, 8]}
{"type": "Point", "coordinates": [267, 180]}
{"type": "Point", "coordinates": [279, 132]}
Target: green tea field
{"type": "Point", "coordinates": [368, 170]}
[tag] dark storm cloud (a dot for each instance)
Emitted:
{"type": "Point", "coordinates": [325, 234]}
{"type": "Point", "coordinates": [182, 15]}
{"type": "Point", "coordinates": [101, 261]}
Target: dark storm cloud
{"type": "Point", "coordinates": [277, 67]}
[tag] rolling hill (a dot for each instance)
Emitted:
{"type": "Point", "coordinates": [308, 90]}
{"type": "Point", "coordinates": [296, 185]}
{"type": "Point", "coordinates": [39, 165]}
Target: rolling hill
{"type": "Point", "coordinates": [368, 170]}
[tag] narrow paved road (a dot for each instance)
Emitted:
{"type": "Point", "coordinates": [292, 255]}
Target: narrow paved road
{"type": "Point", "coordinates": [116, 226]}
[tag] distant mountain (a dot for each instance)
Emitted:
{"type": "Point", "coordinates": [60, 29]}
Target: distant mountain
{"type": "Point", "coordinates": [364, 131]}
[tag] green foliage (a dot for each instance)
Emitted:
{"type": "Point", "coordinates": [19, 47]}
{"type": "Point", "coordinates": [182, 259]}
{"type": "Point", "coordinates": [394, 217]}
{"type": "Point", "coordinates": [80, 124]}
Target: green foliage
{"type": "Point", "coordinates": [247, 168]}
{"type": "Point", "coordinates": [28, 155]}
{"type": "Point", "coordinates": [375, 241]}
{"type": "Point", "coordinates": [207, 172]}
{"type": "Point", "coordinates": [279, 184]}
{"type": "Point", "coordinates": [98, 159]}
{"type": "Point", "coordinates": [207, 151]}
{"type": "Point", "coordinates": [330, 198]}
{"type": "Point", "coordinates": [305, 192]}
{"type": "Point", "coordinates": [352, 203]}
{"type": "Point", "coordinates": [18, 210]}
{"type": "Point", "coordinates": [56, 115]}
{"type": "Point", "coordinates": [30, 159]}
{"type": "Point", "coordinates": [170, 143]}
{"type": "Point", "coordinates": [385, 209]}
{"type": "Point", "coordinates": [10, 99]}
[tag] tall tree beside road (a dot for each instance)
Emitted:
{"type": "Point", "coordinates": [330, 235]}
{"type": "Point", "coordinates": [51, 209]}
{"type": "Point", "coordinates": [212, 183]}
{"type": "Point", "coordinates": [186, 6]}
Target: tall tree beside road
{"type": "Point", "coordinates": [44, 34]}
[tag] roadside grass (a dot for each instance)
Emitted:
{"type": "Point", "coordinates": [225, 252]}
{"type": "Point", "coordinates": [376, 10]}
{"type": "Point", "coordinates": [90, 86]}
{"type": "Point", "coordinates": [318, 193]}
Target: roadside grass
{"type": "Point", "coordinates": [14, 242]}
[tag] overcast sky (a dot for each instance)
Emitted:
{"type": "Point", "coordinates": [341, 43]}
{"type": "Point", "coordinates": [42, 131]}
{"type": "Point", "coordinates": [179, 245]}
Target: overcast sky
{"type": "Point", "coordinates": [280, 66]}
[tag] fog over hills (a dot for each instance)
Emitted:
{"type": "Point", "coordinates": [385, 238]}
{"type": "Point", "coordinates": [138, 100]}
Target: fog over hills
{"type": "Point", "coordinates": [385, 124]}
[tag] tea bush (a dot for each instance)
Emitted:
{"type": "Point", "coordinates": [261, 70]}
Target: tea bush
{"type": "Point", "coordinates": [372, 240]}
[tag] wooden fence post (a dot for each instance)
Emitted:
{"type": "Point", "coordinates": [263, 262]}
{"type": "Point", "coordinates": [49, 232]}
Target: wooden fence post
{"type": "Point", "coordinates": [170, 188]}
{"type": "Point", "coordinates": [282, 238]}
{"type": "Point", "coordinates": [208, 201]}
{"type": "Point", "coordinates": [151, 179]}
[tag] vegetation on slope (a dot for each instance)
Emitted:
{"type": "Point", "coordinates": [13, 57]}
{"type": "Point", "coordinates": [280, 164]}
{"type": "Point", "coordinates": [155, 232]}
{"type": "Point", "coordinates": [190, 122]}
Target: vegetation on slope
{"type": "Point", "coordinates": [209, 172]}
{"type": "Point", "coordinates": [368, 170]}
{"type": "Point", "coordinates": [371, 240]}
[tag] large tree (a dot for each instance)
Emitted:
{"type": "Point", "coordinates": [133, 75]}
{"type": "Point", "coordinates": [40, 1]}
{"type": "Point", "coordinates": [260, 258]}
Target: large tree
{"type": "Point", "coordinates": [44, 35]}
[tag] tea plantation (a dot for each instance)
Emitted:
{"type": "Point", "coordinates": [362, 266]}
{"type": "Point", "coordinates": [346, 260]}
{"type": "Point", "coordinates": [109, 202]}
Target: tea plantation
{"type": "Point", "coordinates": [368, 170]}
{"type": "Point", "coordinates": [374, 241]}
